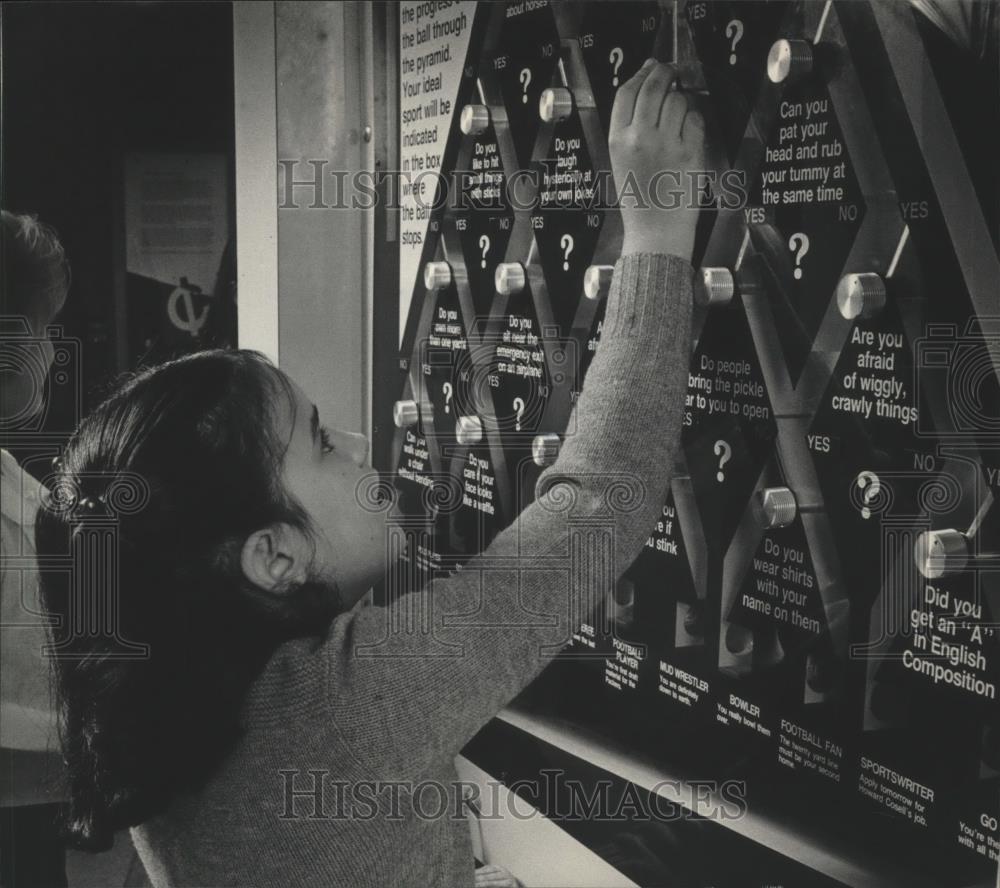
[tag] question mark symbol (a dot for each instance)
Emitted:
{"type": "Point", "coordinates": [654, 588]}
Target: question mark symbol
{"type": "Point", "coordinates": [525, 79]}
{"type": "Point", "coordinates": [616, 58]}
{"type": "Point", "coordinates": [724, 452]}
{"type": "Point", "coordinates": [519, 409]}
{"type": "Point", "coordinates": [484, 245]}
{"type": "Point", "coordinates": [799, 243]}
{"type": "Point", "coordinates": [872, 487]}
{"type": "Point", "coordinates": [446, 388]}
{"type": "Point", "coordinates": [566, 242]}
{"type": "Point", "coordinates": [734, 31]}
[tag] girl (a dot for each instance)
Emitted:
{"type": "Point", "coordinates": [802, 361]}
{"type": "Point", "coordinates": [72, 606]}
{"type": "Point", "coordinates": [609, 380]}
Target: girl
{"type": "Point", "coordinates": [240, 709]}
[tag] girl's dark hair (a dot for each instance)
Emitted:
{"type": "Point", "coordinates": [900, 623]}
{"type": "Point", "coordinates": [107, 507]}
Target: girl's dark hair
{"type": "Point", "coordinates": [198, 445]}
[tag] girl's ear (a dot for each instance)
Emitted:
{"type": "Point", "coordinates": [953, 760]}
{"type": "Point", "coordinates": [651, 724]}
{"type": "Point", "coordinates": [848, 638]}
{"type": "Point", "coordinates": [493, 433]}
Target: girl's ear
{"type": "Point", "coordinates": [275, 558]}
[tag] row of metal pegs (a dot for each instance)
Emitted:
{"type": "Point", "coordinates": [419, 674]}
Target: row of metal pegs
{"type": "Point", "coordinates": [787, 60]}
{"type": "Point", "coordinates": [937, 553]}
{"type": "Point", "coordinates": [510, 278]}
{"type": "Point", "coordinates": [860, 295]}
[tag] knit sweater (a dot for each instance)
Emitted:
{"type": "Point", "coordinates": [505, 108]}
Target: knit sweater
{"type": "Point", "coordinates": [344, 775]}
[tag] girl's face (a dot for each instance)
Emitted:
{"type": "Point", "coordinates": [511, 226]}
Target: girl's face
{"type": "Point", "coordinates": [323, 470]}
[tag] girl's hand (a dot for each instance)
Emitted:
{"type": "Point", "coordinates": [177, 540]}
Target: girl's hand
{"type": "Point", "coordinates": [657, 143]}
{"type": "Point", "coordinates": [492, 876]}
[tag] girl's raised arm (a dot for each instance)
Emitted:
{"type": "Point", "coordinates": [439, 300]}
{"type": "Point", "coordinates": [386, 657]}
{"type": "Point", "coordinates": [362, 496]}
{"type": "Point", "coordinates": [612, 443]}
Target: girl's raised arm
{"type": "Point", "coordinates": [411, 683]}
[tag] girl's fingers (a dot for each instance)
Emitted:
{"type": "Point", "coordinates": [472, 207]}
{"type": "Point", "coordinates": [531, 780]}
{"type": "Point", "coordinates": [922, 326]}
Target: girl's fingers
{"type": "Point", "coordinates": [693, 131]}
{"type": "Point", "coordinates": [652, 94]}
{"type": "Point", "coordinates": [491, 876]}
{"type": "Point", "coordinates": [624, 107]}
{"type": "Point", "coordinates": [672, 114]}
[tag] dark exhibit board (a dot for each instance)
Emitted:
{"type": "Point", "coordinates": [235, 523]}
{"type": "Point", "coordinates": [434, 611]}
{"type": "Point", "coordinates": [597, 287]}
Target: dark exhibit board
{"type": "Point", "coordinates": [816, 610]}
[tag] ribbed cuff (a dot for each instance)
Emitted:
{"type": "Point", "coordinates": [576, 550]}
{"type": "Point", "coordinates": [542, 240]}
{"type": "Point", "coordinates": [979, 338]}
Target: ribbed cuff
{"type": "Point", "coordinates": [644, 291]}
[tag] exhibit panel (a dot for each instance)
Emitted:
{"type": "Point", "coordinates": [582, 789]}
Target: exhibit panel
{"type": "Point", "coordinates": [815, 613]}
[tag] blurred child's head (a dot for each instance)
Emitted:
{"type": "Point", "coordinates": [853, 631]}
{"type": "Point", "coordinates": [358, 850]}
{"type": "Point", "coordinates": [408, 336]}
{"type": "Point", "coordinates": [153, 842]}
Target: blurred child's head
{"type": "Point", "coordinates": [237, 524]}
{"type": "Point", "coordinates": [34, 281]}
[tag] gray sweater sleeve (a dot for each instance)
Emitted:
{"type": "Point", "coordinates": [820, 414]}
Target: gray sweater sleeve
{"type": "Point", "coordinates": [413, 681]}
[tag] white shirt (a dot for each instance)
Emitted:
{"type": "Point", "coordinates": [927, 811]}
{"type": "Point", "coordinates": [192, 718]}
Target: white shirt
{"type": "Point", "coordinates": [28, 719]}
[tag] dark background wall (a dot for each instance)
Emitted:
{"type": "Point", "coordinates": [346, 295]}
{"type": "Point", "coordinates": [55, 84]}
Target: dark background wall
{"type": "Point", "coordinates": [83, 84]}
